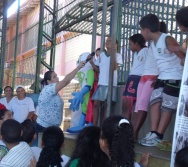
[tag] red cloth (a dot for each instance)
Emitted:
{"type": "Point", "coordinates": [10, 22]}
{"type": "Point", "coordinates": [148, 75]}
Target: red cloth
{"type": "Point", "coordinates": [2, 107]}
{"type": "Point", "coordinates": [89, 113]}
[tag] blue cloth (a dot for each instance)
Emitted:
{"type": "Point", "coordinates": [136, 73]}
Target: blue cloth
{"type": "Point", "coordinates": [78, 98]}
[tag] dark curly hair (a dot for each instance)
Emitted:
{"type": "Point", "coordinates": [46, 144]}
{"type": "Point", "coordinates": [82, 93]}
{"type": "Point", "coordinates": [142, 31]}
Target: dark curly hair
{"type": "Point", "coordinates": [138, 38]}
{"type": "Point", "coordinates": [52, 139]}
{"type": "Point", "coordinates": [87, 150]}
{"type": "Point", "coordinates": [181, 16]}
{"type": "Point", "coordinates": [181, 159]}
{"type": "Point", "coordinates": [120, 141]}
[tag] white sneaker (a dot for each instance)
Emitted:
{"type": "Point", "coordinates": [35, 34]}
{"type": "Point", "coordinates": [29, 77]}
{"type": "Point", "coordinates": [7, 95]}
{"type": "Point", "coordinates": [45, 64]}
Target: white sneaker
{"type": "Point", "coordinates": [153, 140]}
{"type": "Point", "coordinates": [145, 138]}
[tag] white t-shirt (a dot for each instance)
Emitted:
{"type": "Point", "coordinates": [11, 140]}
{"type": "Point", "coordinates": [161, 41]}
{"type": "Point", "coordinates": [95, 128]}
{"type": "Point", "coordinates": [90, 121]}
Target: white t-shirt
{"type": "Point", "coordinates": [138, 62]}
{"type": "Point", "coordinates": [104, 65]}
{"type": "Point", "coordinates": [168, 64]}
{"type": "Point", "coordinates": [150, 66]}
{"type": "Point", "coordinates": [22, 108]}
{"type": "Point", "coordinates": [4, 102]}
{"type": "Point", "coordinates": [18, 156]}
{"type": "Point", "coordinates": [50, 107]}
{"type": "Point", "coordinates": [65, 160]}
{"type": "Point", "coordinates": [36, 152]}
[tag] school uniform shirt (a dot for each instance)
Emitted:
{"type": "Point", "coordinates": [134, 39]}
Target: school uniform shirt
{"type": "Point", "coordinates": [36, 151]}
{"type": "Point", "coordinates": [5, 103]}
{"type": "Point", "coordinates": [150, 66]}
{"type": "Point", "coordinates": [168, 64]}
{"type": "Point", "coordinates": [104, 65]}
{"type": "Point", "coordinates": [18, 156]}
{"type": "Point", "coordinates": [139, 59]}
{"type": "Point", "coordinates": [65, 160]}
{"type": "Point", "coordinates": [22, 108]}
{"type": "Point", "coordinates": [50, 107]}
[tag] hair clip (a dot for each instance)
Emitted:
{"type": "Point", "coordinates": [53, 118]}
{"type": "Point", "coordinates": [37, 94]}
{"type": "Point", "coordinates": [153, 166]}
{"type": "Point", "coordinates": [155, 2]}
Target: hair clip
{"type": "Point", "coordinates": [123, 121]}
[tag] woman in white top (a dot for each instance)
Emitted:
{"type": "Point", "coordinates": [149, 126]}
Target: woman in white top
{"type": "Point", "coordinates": [50, 103]}
{"type": "Point", "coordinates": [6, 101]}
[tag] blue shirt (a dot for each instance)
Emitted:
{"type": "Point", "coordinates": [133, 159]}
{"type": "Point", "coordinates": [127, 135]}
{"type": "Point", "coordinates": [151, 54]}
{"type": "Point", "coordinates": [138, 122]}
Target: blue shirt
{"type": "Point", "coordinates": [50, 107]}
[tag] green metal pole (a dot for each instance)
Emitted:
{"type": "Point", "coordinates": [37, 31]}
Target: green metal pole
{"type": "Point", "coordinates": [119, 24]}
{"type": "Point", "coordinates": [39, 46]}
{"type": "Point", "coordinates": [3, 43]}
{"type": "Point", "coordinates": [52, 54]}
{"type": "Point", "coordinates": [16, 45]}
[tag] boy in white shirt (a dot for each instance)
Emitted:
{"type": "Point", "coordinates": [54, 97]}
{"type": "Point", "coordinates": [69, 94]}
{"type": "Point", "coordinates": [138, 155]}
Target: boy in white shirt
{"type": "Point", "coordinates": [20, 154]}
{"type": "Point", "coordinates": [164, 97]}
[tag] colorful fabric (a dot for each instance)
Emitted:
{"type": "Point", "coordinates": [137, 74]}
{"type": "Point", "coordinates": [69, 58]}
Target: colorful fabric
{"type": "Point", "coordinates": [50, 106]}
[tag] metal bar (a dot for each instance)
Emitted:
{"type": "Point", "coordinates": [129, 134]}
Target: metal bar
{"type": "Point", "coordinates": [16, 45]}
{"type": "Point", "coordinates": [58, 24]}
{"type": "Point", "coordinates": [3, 43]}
{"type": "Point", "coordinates": [52, 53]}
{"type": "Point", "coordinates": [95, 11]}
{"type": "Point", "coordinates": [111, 72]}
{"type": "Point", "coordinates": [119, 25]}
{"type": "Point", "coordinates": [103, 29]}
{"type": "Point", "coordinates": [39, 47]}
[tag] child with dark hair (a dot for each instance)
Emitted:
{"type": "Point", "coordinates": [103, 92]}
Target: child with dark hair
{"type": "Point", "coordinates": [118, 143]}
{"type": "Point", "coordinates": [102, 64]}
{"type": "Point", "coordinates": [29, 135]}
{"type": "Point", "coordinates": [181, 159]}
{"type": "Point", "coordinates": [52, 141]}
{"type": "Point", "coordinates": [164, 97]}
{"type": "Point", "coordinates": [4, 115]}
{"type": "Point", "coordinates": [19, 153]}
{"type": "Point", "coordinates": [145, 88]}
{"type": "Point", "coordinates": [137, 45]}
{"type": "Point", "coordinates": [87, 151]}
{"type": "Point", "coordinates": [182, 21]}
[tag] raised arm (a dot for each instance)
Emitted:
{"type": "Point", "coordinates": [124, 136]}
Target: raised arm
{"type": "Point", "coordinates": [61, 84]}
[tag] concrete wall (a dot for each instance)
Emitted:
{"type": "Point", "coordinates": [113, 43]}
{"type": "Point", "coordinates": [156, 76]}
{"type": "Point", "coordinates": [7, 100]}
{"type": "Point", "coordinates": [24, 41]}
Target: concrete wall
{"type": "Point", "coordinates": [117, 109]}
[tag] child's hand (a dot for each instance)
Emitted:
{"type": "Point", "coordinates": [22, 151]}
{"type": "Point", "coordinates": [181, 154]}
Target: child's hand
{"type": "Point", "coordinates": [33, 162]}
{"type": "Point", "coordinates": [145, 159]}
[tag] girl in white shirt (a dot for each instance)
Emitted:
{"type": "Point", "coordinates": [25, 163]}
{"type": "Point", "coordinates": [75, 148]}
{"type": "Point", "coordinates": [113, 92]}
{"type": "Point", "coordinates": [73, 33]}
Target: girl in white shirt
{"type": "Point", "coordinates": [140, 51]}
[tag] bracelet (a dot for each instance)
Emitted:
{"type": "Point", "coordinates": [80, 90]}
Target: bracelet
{"type": "Point", "coordinates": [141, 165]}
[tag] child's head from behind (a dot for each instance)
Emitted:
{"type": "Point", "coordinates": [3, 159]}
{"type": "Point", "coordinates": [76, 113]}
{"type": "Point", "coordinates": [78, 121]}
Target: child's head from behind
{"type": "Point", "coordinates": [149, 24]}
{"type": "Point", "coordinates": [136, 42]}
{"type": "Point", "coordinates": [117, 141]}
{"type": "Point", "coordinates": [52, 141]}
{"type": "Point", "coordinates": [28, 131]}
{"type": "Point", "coordinates": [181, 19]}
{"type": "Point", "coordinates": [11, 131]}
{"type": "Point", "coordinates": [87, 148]}
{"type": "Point", "coordinates": [181, 159]}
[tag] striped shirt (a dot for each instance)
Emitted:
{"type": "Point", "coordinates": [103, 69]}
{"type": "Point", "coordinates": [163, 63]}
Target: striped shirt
{"type": "Point", "coordinates": [18, 156]}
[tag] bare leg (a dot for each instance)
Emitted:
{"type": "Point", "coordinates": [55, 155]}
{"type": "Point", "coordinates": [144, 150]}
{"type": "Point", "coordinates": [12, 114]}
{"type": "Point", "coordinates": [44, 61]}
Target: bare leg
{"type": "Point", "coordinates": [155, 115]}
{"type": "Point", "coordinates": [127, 104]}
{"type": "Point", "coordinates": [137, 122]}
{"type": "Point", "coordinates": [96, 112]}
{"type": "Point", "coordinates": [164, 122]}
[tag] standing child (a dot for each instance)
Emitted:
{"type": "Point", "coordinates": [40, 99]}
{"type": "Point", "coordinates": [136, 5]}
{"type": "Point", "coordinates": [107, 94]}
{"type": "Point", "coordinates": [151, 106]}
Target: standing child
{"type": "Point", "coordinates": [164, 97]}
{"type": "Point", "coordinates": [103, 64]}
{"type": "Point", "coordinates": [145, 88]}
{"type": "Point", "coordinates": [140, 51]}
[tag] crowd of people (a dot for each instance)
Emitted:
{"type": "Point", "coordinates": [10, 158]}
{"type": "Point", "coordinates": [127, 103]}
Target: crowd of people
{"type": "Point", "coordinates": [154, 81]}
